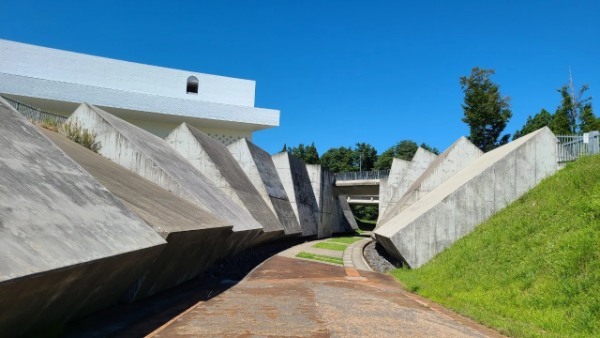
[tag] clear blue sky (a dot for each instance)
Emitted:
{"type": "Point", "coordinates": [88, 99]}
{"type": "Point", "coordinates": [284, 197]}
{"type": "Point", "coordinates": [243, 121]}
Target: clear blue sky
{"type": "Point", "coordinates": [341, 71]}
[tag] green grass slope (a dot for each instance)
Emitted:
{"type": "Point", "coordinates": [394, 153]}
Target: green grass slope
{"type": "Point", "coordinates": [534, 268]}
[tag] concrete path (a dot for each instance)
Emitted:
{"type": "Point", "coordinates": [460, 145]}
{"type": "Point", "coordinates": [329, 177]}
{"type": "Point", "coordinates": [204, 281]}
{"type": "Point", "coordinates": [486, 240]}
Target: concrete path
{"type": "Point", "coordinates": [292, 297]}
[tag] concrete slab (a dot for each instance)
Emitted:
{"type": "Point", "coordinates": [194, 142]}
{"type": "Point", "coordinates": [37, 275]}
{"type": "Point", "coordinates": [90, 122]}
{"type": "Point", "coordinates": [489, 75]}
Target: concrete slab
{"type": "Point", "coordinates": [322, 182]}
{"type": "Point", "coordinates": [347, 222]}
{"type": "Point", "coordinates": [471, 196]}
{"type": "Point", "coordinates": [259, 168]}
{"type": "Point", "coordinates": [68, 246]}
{"type": "Point", "coordinates": [150, 157]}
{"type": "Point", "coordinates": [214, 161]}
{"type": "Point", "coordinates": [195, 238]}
{"type": "Point", "coordinates": [295, 180]}
{"type": "Point", "coordinates": [455, 158]}
{"type": "Point", "coordinates": [388, 185]}
{"type": "Point", "coordinates": [419, 163]}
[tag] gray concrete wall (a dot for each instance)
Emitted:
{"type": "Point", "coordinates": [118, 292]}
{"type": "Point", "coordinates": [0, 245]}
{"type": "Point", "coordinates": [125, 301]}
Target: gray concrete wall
{"type": "Point", "coordinates": [295, 180]}
{"type": "Point", "coordinates": [388, 185]}
{"type": "Point", "coordinates": [419, 163]}
{"type": "Point", "coordinates": [471, 196]}
{"type": "Point", "coordinates": [322, 182]}
{"type": "Point", "coordinates": [455, 158]}
{"type": "Point", "coordinates": [347, 222]}
{"type": "Point", "coordinates": [215, 162]}
{"type": "Point", "coordinates": [259, 167]}
{"type": "Point", "coordinates": [153, 159]}
{"type": "Point", "coordinates": [68, 246]}
{"type": "Point", "coordinates": [195, 238]}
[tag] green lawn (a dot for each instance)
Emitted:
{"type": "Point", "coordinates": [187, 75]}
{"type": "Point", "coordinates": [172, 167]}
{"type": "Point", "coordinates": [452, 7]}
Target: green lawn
{"type": "Point", "coordinates": [345, 240]}
{"type": "Point", "coordinates": [532, 270]}
{"type": "Point", "coordinates": [331, 246]}
{"type": "Point", "coordinates": [322, 258]}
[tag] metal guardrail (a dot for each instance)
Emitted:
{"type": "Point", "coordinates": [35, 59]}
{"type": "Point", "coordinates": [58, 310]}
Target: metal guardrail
{"type": "Point", "coordinates": [571, 147]}
{"type": "Point", "coordinates": [35, 114]}
{"type": "Point", "coordinates": [362, 175]}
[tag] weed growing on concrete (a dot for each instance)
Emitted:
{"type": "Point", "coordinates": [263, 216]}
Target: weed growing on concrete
{"type": "Point", "coordinates": [49, 124]}
{"type": "Point", "coordinates": [78, 134]}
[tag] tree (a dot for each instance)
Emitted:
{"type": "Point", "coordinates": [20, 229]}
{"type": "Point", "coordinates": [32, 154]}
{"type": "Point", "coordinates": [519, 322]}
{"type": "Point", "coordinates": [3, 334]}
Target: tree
{"type": "Point", "coordinates": [539, 120]}
{"type": "Point", "coordinates": [365, 156]}
{"type": "Point", "coordinates": [587, 121]}
{"type": "Point", "coordinates": [430, 148]}
{"type": "Point", "coordinates": [308, 154]}
{"type": "Point", "coordinates": [571, 110]}
{"type": "Point", "coordinates": [284, 148]}
{"type": "Point", "coordinates": [485, 110]}
{"type": "Point", "coordinates": [404, 150]}
{"type": "Point", "coordinates": [339, 160]}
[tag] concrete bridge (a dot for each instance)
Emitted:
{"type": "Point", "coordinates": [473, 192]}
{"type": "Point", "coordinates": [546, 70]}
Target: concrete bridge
{"type": "Point", "coordinates": [360, 187]}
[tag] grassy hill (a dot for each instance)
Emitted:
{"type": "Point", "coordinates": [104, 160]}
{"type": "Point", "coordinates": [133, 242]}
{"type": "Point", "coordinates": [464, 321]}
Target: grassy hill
{"type": "Point", "coordinates": [534, 268]}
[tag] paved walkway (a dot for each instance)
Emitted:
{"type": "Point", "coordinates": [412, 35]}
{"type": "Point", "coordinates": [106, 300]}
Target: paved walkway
{"type": "Point", "coordinates": [289, 297]}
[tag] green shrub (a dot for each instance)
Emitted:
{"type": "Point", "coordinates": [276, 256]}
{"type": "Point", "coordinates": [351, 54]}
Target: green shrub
{"type": "Point", "coordinates": [78, 134]}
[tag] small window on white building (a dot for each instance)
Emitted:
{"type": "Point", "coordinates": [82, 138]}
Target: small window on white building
{"type": "Point", "coordinates": [192, 85]}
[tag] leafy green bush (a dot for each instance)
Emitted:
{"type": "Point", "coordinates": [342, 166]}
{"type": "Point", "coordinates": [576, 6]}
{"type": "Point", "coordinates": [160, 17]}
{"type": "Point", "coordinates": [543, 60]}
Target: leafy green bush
{"type": "Point", "coordinates": [78, 134]}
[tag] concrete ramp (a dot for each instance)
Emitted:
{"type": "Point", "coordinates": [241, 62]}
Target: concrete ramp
{"type": "Point", "coordinates": [322, 182]}
{"type": "Point", "coordinates": [471, 196]}
{"type": "Point", "coordinates": [68, 247]}
{"type": "Point", "coordinates": [295, 180]}
{"type": "Point", "coordinates": [419, 163]}
{"type": "Point", "coordinates": [388, 185]}
{"type": "Point", "coordinates": [455, 158]}
{"type": "Point", "coordinates": [150, 157]}
{"type": "Point", "coordinates": [213, 160]}
{"type": "Point", "coordinates": [195, 238]}
{"type": "Point", "coordinates": [259, 168]}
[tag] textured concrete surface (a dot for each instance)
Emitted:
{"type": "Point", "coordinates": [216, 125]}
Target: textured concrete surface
{"type": "Point", "coordinates": [457, 206]}
{"type": "Point", "coordinates": [322, 182]}
{"type": "Point", "coordinates": [452, 160]}
{"type": "Point", "coordinates": [215, 162]}
{"type": "Point", "coordinates": [388, 185]}
{"type": "Point", "coordinates": [258, 166]}
{"type": "Point", "coordinates": [195, 238]}
{"type": "Point", "coordinates": [295, 180]}
{"type": "Point", "coordinates": [419, 163]}
{"type": "Point", "coordinates": [67, 245]}
{"type": "Point", "coordinates": [347, 222]}
{"type": "Point", "coordinates": [286, 297]}
{"type": "Point", "coordinates": [152, 158]}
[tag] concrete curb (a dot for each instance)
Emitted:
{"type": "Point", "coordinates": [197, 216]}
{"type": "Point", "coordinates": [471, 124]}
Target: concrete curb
{"type": "Point", "coordinates": [353, 256]}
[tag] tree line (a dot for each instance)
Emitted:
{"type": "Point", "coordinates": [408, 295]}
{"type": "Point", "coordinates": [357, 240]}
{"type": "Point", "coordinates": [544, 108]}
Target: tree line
{"type": "Point", "coordinates": [485, 111]}
{"type": "Point", "coordinates": [360, 157]}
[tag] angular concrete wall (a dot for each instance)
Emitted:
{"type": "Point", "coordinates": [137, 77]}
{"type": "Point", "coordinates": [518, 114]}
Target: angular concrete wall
{"type": "Point", "coordinates": [67, 245]}
{"type": "Point", "coordinates": [259, 167]}
{"type": "Point", "coordinates": [420, 162]}
{"type": "Point", "coordinates": [457, 206]}
{"type": "Point", "coordinates": [455, 158]}
{"type": "Point", "coordinates": [195, 238]}
{"type": "Point", "coordinates": [213, 159]}
{"type": "Point", "coordinates": [388, 185]}
{"type": "Point", "coordinates": [322, 182]}
{"type": "Point", "coordinates": [346, 221]}
{"type": "Point", "coordinates": [152, 158]}
{"type": "Point", "coordinates": [295, 180]}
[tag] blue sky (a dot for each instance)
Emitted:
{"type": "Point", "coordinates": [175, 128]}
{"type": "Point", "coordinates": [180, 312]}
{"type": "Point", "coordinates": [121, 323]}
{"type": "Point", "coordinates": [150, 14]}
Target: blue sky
{"type": "Point", "coordinates": [341, 71]}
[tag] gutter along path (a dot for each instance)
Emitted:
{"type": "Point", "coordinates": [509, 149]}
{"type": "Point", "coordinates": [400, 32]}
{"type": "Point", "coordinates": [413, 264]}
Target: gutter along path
{"type": "Point", "coordinates": [286, 296]}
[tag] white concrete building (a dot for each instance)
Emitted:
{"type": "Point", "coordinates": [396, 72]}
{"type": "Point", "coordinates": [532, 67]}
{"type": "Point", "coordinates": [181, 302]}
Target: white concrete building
{"type": "Point", "coordinates": [155, 98]}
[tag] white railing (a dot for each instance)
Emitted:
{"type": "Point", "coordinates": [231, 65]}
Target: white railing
{"type": "Point", "coordinates": [362, 175]}
{"type": "Point", "coordinates": [570, 147]}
